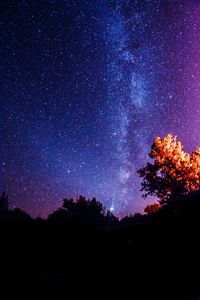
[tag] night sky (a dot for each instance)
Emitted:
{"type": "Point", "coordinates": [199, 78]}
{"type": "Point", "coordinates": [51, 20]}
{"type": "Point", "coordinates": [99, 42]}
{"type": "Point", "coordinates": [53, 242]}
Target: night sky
{"type": "Point", "coordinates": [85, 87]}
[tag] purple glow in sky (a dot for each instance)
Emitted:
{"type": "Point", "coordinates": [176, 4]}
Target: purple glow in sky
{"type": "Point", "coordinates": [85, 87]}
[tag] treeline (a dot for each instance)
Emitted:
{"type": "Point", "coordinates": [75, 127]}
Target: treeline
{"type": "Point", "coordinates": [84, 251]}
{"type": "Point", "coordinates": [90, 212]}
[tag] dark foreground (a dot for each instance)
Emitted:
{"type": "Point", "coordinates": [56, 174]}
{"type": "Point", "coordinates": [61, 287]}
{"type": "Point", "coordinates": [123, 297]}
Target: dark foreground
{"type": "Point", "coordinates": [149, 257]}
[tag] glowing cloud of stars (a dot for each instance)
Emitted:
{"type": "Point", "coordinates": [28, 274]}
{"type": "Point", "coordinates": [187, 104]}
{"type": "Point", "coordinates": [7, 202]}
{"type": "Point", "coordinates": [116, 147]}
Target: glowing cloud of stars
{"type": "Point", "coordinates": [85, 87]}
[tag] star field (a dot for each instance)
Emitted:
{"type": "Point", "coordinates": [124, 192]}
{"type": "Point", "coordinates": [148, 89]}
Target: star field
{"type": "Point", "coordinates": [85, 87]}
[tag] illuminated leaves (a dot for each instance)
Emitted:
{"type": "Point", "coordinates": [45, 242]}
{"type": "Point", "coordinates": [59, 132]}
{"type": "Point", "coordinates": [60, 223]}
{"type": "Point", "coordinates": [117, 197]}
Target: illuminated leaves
{"type": "Point", "coordinates": [174, 172]}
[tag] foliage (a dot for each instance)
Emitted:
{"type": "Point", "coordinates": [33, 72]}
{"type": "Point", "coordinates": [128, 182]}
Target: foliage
{"type": "Point", "coordinates": [152, 208]}
{"type": "Point", "coordinates": [84, 206]}
{"type": "Point", "coordinates": [84, 211]}
{"type": "Point", "coordinates": [174, 172]}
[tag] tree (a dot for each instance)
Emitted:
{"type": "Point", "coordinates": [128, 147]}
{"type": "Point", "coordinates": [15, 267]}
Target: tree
{"type": "Point", "coordinates": [173, 173]}
{"type": "Point", "coordinates": [83, 211]}
{"type": "Point", "coordinates": [84, 207]}
{"type": "Point", "coordinates": [152, 208]}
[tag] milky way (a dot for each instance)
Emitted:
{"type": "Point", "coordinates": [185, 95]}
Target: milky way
{"type": "Point", "coordinates": [85, 87]}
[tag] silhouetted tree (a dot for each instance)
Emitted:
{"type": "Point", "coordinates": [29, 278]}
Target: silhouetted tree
{"type": "Point", "coordinates": [131, 220]}
{"type": "Point", "coordinates": [82, 206]}
{"type": "Point", "coordinates": [20, 215]}
{"type": "Point", "coordinates": [82, 210]}
{"type": "Point", "coordinates": [173, 172]}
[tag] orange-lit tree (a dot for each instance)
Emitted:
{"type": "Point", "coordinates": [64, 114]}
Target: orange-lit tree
{"type": "Point", "coordinates": [173, 172]}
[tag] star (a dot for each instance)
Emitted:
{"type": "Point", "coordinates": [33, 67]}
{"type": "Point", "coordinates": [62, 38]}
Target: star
{"type": "Point", "coordinates": [85, 89]}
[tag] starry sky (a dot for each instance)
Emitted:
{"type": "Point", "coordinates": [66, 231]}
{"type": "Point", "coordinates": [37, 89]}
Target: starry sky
{"type": "Point", "coordinates": [85, 87]}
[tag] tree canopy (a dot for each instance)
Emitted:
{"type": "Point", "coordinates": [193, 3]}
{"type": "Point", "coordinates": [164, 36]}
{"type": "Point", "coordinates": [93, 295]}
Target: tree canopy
{"type": "Point", "coordinates": [84, 211]}
{"type": "Point", "coordinates": [173, 171]}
